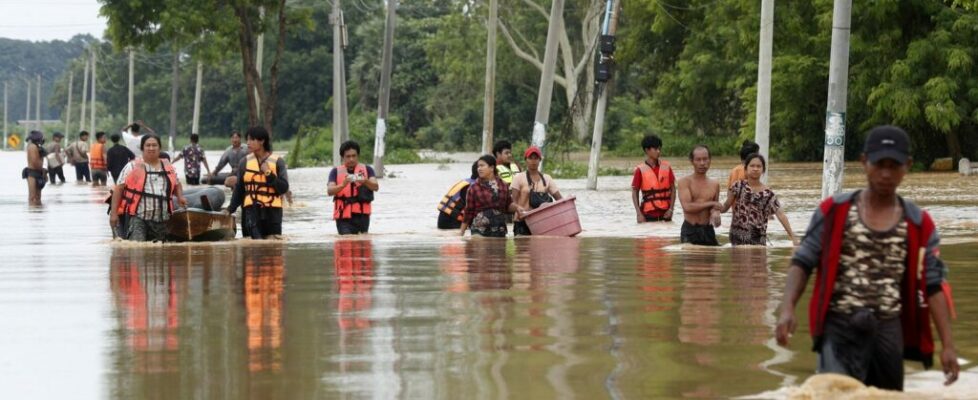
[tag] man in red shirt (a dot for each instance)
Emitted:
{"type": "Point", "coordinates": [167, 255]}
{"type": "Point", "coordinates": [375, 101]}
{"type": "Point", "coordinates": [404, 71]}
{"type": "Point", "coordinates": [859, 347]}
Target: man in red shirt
{"type": "Point", "coordinates": [656, 182]}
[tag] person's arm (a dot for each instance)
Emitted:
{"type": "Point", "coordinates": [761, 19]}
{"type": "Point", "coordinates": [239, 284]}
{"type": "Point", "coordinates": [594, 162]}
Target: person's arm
{"type": "Point", "coordinates": [203, 157]}
{"type": "Point", "coordinates": [638, 210]}
{"type": "Point", "coordinates": [178, 158]}
{"type": "Point", "coordinates": [672, 200]}
{"type": "Point", "coordinates": [279, 180]}
{"type": "Point", "coordinates": [237, 197]}
{"type": "Point", "coordinates": [222, 162]}
{"type": "Point", "coordinates": [794, 287]}
{"type": "Point", "coordinates": [787, 226]}
{"type": "Point", "coordinates": [143, 125]}
{"type": "Point", "coordinates": [731, 198]}
{"type": "Point", "coordinates": [116, 197]}
{"type": "Point", "coordinates": [178, 191]}
{"type": "Point", "coordinates": [371, 182]}
{"type": "Point", "coordinates": [332, 187]}
{"type": "Point", "coordinates": [939, 312]}
{"type": "Point", "coordinates": [553, 189]}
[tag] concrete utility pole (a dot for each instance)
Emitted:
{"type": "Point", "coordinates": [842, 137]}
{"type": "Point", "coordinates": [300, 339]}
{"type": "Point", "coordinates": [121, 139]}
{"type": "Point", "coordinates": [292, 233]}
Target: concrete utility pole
{"type": "Point", "coordinates": [27, 116]}
{"type": "Point", "coordinates": [132, 82]}
{"type": "Point", "coordinates": [259, 57]}
{"type": "Point", "coordinates": [608, 29]}
{"type": "Point", "coordinates": [488, 108]}
{"type": "Point", "coordinates": [835, 113]}
{"type": "Point", "coordinates": [547, 77]}
{"type": "Point", "coordinates": [385, 88]}
{"type": "Point", "coordinates": [762, 119]}
{"type": "Point", "coordinates": [71, 87]}
{"type": "Point", "coordinates": [37, 105]}
{"type": "Point", "coordinates": [340, 126]}
{"type": "Point", "coordinates": [94, 85]}
{"type": "Point", "coordinates": [82, 115]}
{"type": "Point", "coordinates": [174, 90]}
{"type": "Point", "coordinates": [197, 90]}
{"type": "Point", "coordinates": [5, 117]}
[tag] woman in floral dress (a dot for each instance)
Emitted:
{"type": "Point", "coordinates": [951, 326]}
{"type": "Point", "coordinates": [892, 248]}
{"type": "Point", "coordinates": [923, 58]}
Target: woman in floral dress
{"type": "Point", "coordinates": [753, 204]}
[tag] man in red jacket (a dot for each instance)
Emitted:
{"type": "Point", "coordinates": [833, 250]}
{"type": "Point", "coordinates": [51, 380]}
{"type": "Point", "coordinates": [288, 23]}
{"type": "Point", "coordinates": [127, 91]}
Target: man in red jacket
{"type": "Point", "coordinates": [878, 276]}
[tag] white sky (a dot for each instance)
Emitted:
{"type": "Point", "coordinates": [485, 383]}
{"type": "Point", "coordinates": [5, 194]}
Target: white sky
{"type": "Point", "coordinates": [46, 20]}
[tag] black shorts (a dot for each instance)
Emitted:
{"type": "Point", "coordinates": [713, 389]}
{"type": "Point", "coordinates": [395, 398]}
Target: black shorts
{"type": "Point", "coordinates": [193, 180]}
{"type": "Point", "coordinates": [650, 218]}
{"type": "Point", "coordinates": [356, 224]}
{"type": "Point", "coordinates": [863, 347]}
{"type": "Point", "coordinates": [702, 235]}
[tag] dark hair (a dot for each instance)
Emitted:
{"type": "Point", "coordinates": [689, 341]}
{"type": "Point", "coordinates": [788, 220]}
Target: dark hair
{"type": "Point", "coordinates": [651, 141]}
{"type": "Point", "coordinates": [115, 138]}
{"type": "Point", "coordinates": [134, 127]}
{"type": "Point", "coordinates": [164, 155]}
{"type": "Point", "coordinates": [235, 133]}
{"type": "Point", "coordinates": [748, 148]}
{"type": "Point", "coordinates": [99, 135]}
{"type": "Point", "coordinates": [488, 159]}
{"type": "Point", "coordinates": [347, 145]}
{"type": "Point", "coordinates": [500, 146]}
{"type": "Point", "coordinates": [475, 170]}
{"type": "Point", "coordinates": [83, 133]}
{"type": "Point", "coordinates": [58, 135]}
{"type": "Point", "coordinates": [751, 157]}
{"type": "Point", "coordinates": [194, 138]}
{"type": "Point", "coordinates": [142, 142]}
{"type": "Point", "coordinates": [259, 133]}
{"type": "Point", "coordinates": [36, 137]}
{"type": "Point", "coordinates": [697, 147]}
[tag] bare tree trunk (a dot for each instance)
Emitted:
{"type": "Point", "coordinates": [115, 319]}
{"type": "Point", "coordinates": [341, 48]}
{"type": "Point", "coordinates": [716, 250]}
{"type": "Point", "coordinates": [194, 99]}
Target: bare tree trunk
{"type": "Point", "coordinates": [270, 100]}
{"type": "Point", "coordinates": [253, 87]}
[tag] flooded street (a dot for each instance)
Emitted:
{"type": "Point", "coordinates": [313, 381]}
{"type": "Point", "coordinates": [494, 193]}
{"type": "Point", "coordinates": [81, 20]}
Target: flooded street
{"type": "Point", "coordinates": [623, 311]}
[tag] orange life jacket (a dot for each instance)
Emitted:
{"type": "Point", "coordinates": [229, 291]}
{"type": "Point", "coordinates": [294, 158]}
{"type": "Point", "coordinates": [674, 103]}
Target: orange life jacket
{"type": "Point", "coordinates": [656, 189]}
{"type": "Point", "coordinates": [450, 203]}
{"type": "Point", "coordinates": [96, 156]}
{"type": "Point", "coordinates": [345, 202]}
{"type": "Point", "coordinates": [257, 190]}
{"type": "Point", "coordinates": [136, 185]}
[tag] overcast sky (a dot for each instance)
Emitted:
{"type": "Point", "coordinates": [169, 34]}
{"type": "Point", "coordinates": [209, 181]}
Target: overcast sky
{"type": "Point", "coordinates": [49, 19]}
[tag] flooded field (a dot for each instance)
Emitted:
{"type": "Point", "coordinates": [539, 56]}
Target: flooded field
{"type": "Point", "coordinates": [623, 311]}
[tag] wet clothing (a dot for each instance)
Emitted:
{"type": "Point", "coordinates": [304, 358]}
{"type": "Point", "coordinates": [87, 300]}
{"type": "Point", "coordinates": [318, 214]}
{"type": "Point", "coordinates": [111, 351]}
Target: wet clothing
{"type": "Point", "coordinates": [751, 211]}
{"type": "Point", "coordinates": [260, 222]}
{"type": "Point", "coordinates": [141, 230]}
{"type": "Point", "coordinates": [486, 206]}
{"type": "Point", "coordinates": [863, 347]}
{"type": "Point", "coordinates": [452, 205]}
{"type": "Point", "coordinates": [193, 180]}
{"type": "Point", "coordinates": [820, 252]}
{"type": "Point", "coordinates": [192, 156]}
{"type": "Point", "coordinates": [54, 156]}
{"type": "Point", "coordinates": [354, 200]}
{"type": "Point", "coordinates": [37, 175]}
{"type": "Point", "coordinates": [117, 157]}
{"type": "Point", "coordinates": [100, 176]}
{"type": "Point", "coordinates": [96, 159]}
{"type": "Point", "coordinates": [260, 195]}
{"type": "Point", "coordinates": [77, 152]}
{"type": "Point", "coordinates": [703, 235]}
{"type": "Point", "coordinates": [532, 195]}
{"type": "Point", "coordinates": [82, 172]}
{"type": "Point", "coordinates": [656, 183]}
{"type": "Point", "coordinates": [232, 156]}
{"type": "Point", "coordinates": [56, 172]}
{"type": "Point", "coordinates": [149, 190]}
{"type": "Point", "coordinates": [356, 224]}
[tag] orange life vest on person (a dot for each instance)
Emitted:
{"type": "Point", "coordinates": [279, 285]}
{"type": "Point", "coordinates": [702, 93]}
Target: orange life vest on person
{"type": "Point", "coordinates": [135, 183]}
{"type": "Point", "coordinates": [256, 187]}
{"type": "Point", "coordinates": [96, 156]}
{"type": "Point", "coordinates": [656, 189]}
{"type": "Point", "coordinates": [450, 203]}
{"type": "Point", "coordinates": [345, 202]}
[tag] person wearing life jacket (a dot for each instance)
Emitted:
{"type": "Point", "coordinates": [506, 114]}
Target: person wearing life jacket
{"type": "Point", "coordinates": [145, 194]}
{"type": "Point", "coordinates": [655, 182]}
{"type": "Point", "coordinates": [262, 182]}
{"type": "Point", "coordinates": [505, 167]}
{"type": "Point", "coordinates": [352, 186]}
{"type": "Point", "coordinates": [452, 205]}
{"type": "Point", "coordinates": [879, 279]}
{"type": "Point", "coordinates": [98, 162]}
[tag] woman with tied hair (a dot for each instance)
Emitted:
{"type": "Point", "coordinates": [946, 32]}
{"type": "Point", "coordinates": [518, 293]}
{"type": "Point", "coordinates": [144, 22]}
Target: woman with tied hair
{"type": "Point", "coordinates": [144, 194]}
{"type": "Point", "coordinates": [753, 203]}
{"type": "Point", "coordinates": [487, 202]}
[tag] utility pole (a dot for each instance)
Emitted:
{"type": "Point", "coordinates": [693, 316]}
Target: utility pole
{"type": "Point", "coordinates": [81, 118]}
{"type": "Point", "coordinates": [606, 62]}
{"type": "Point", "coordinates": [340, 126]}
{"type": "Point", "coordinates": [71, 87]}
{"type": "Point", "coordinates": [197, 90]}
{"type": "Point", "coordinates": [5, 117]}
{"type": "Point", "coordinates": [37, 105]}
{"type": "Point", "coordinates": [547, 77]}
{"type": "Point", "coordinates": [488, 107]}
{"type": "Point", "coordinates": [132, 82]}
{"type": "Point", "coordinates": [94, 85]}
{"type": "Point", "coordinates": [174, 89]}
{"type": "Point", "coordinates": [385, 88]}
{"type": "Point", "coordinates": [762, 116]}
{"type": "Point", "coordinates": [258, 61]}
{"type": "Point", "coordinates": [835, 113]}
{"type": "Point", "coordinates": [27, 117]}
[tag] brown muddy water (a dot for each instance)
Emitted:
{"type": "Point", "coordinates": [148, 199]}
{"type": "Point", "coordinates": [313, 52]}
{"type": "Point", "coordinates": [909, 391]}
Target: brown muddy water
{"type": "Point", "coordinates": [623, 311]}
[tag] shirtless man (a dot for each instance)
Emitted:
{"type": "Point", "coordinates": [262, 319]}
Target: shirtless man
{"type": "Point", "coordinates": [700, 197]}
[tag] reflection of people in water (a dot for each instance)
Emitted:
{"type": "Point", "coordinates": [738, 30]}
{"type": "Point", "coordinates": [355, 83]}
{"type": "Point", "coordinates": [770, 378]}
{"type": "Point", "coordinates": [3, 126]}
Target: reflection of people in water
{"type": "Point", "coordinates": [264, 276]}
{"type": "Point", "coordinates": [655, 274]}
{"type": "Point", "coordinates": [353, 262]}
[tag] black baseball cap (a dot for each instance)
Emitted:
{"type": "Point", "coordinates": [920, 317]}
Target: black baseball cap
{"type": "Point", "coordinates": [887, 141]}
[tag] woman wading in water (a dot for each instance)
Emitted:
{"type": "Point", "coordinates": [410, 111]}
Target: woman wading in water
{"type": "Point", "coordinates": [753, 203]}
{"type": "Point", "coordinates": [488, 202]}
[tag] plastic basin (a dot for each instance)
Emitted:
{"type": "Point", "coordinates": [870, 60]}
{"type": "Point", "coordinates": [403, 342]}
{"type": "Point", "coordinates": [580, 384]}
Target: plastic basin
{"type": "Point", "coordinates": [555, 219]}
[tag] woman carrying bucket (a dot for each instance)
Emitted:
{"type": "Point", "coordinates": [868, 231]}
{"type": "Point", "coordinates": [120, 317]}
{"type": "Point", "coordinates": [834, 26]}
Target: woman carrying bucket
{"type": "Point", "coordinates": [487, 202]}
{"type": "Point", "coordinates": [531, 189]}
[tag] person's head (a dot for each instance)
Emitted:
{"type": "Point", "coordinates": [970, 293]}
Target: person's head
{"type": "Point", "coordinates": [652, 146]}
{"type": "Point", "coordinates": [350, 153]}
{"type": "Point", "coordinates": [115, 138]}
{"type": "Point", "coordinates": [533, 156]}
{"type": "Point", "coordinates": [134, 128]}
{"type": "Point", "coordinates": [699, 156]}
{"type": "Point", "coordinates": [83, 136]}
{"type": "Point", "coordinates": [503, 152]}
{"type": "Point", "coordinates": [151, 146]}
{"type": "Point", "coordinates": [100, 137]}
{"type": "Point", "coordinates": [755, 165]}
{"type": "Point", "coordinates": [164, 156]}
{"type": "Point", "coordinates": [235, 139]}
{"type": "Point", "coordinates": [258, 139]}
{"type": "Point", "coordinates": [475, 170]}
{"type": "Point", "coordinates": [194, 138]}
{"type": "Point", "coordinates": [58, 136]}
{"type": "Point", "coordinates": [886, 158]}
{"type": "Point", "coordinates": [748, 148]}
{"type": "Point", "coordinates": [36, 137]}
{"type": "Point", "coordinates": [486, 167]}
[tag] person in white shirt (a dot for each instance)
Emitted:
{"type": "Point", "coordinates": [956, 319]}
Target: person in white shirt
{"type": "Point", "coordinates": [133, 136]}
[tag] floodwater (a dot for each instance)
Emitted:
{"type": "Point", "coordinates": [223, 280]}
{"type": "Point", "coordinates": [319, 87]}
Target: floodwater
{"type": "Point", "coordinates": [623, 311]}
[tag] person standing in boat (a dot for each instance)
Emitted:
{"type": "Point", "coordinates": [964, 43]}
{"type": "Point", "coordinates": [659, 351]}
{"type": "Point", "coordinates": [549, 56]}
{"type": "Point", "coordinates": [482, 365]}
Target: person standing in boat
{"type": "Point", "coordinates": [145, 194]}
{"type": "Point", "coordinates": [531, 189]}
{"type": "Point", "coordinates": [262, 181]}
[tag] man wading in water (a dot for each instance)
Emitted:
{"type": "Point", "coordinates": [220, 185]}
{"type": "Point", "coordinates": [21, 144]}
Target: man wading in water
{"type": "Point", "coordinates": [878, 279]}
{"type": "Point", "coordinates": [700, 197]}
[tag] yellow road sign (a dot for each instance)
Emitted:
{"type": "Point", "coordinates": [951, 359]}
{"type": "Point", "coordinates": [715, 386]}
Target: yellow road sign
{"type": "Point", "coordinates": [13, 141]}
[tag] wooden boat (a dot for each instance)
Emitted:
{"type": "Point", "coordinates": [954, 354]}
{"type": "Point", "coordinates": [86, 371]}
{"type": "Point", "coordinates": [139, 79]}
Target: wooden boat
{"type": "Point", "coordinates": [196, 225]}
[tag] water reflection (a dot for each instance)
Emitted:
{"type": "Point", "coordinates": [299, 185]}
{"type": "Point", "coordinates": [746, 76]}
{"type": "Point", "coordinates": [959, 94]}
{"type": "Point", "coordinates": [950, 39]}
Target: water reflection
{"type": "Point", "coordinates": [264, 276]}
{"type": "Point", "coordinates": [354, 268]}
